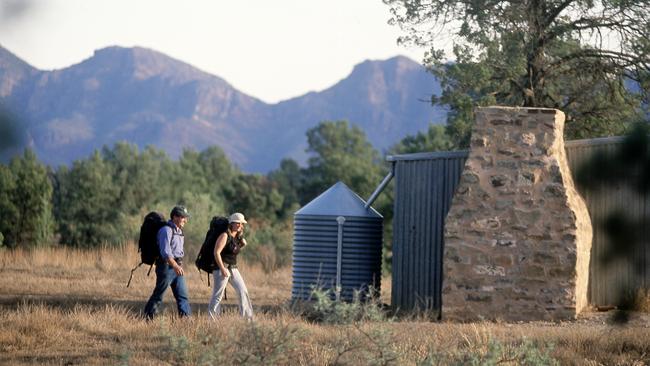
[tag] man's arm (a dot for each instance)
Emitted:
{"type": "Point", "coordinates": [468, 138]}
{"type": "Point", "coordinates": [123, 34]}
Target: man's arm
{"type": "Point", "coordinates": [164, 246]}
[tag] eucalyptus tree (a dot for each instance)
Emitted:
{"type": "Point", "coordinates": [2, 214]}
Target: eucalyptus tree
{"type": "Point", "coordinates": [87, 204]}
{"type": "Point", "coordinates": [340, 152]}
{"type": "Point", "coordinates": [26, 202]}
{"type": "Point", "coordinates": [7, 204]}
{"type": "Point", "coordinates": [288, 179]}
{"type": "Point", "coordinates": [434, 139]}
{"type": "Point", "coordinates": [588, 58]}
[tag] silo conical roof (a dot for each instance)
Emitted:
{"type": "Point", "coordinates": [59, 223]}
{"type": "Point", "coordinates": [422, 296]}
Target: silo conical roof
{"type": "Point", "coordinates": [338, 200]}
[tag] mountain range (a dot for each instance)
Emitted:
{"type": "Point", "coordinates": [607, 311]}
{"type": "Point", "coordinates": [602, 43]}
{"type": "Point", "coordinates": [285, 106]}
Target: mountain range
{"type": "Point", "coordinates": [148, 98]}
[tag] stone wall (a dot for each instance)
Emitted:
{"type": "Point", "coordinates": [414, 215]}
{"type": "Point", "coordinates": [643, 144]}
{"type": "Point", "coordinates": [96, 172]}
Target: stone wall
{"type": "Point", "coordinates": [518, 235]}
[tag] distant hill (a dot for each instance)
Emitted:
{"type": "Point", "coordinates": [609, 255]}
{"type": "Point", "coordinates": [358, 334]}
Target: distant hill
{"type": "Point", "coordinates": [147, 98]}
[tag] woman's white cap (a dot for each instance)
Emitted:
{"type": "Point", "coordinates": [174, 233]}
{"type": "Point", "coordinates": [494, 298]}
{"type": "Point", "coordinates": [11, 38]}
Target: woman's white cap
{"type": "Point", "coordinates": [237, 217]}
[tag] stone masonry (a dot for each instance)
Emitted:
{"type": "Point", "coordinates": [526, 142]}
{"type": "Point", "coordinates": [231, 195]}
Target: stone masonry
{"type": "Point", "coordinates": [518, 235]}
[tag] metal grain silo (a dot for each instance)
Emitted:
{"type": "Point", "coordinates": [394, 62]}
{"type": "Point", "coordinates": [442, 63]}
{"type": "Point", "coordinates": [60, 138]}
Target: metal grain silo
{"type": "Point", "coordinates": [337, 244]}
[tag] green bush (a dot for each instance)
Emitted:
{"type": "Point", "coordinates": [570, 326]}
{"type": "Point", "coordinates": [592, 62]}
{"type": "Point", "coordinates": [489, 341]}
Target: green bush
{"type": "Point", "coordinates": [524, 353]}
{"type": "Point", "coordinates": [256, 344]}
{"type": "Point", "coordinates": [270, 245]}
{"type": "Point", "coordinates": [327, 309]}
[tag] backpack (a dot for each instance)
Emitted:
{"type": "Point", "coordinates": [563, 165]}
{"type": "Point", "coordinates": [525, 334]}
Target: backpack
{"type": "Point", "coordinates": [205, 260]}
{"type": "Point", "coordinates": [148, 241]}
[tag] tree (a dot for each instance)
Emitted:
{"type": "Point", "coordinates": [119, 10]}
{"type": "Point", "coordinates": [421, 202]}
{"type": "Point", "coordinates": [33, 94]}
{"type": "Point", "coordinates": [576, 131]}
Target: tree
{"type": "Point", "coordinates": [135, 176]}
{"type": "Point", "coordinates": [7, 205]}
{"type": "Point", "coordinates": [256, 196]}
{"type": "Point", "coordinates": [289, 179]}
{"type": "Point", "coordinates": [574, 55]}
{"type": "Point", "coordinates": [88, 205]}
{"type": "Point", "coordinates": [28, 220]}
{"type": "Point", "coordinates": [435, 139]}
{"type": "Point", "coordinates": [340, 152]}
{"type": "Point", "coordinates": [218, 171]}
{"type": "Point", "coordinates": [188, 175]}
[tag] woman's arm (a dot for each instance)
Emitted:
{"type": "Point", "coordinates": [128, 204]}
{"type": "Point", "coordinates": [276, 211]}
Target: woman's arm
{"type": "Point", "coordinates": [218, 247]}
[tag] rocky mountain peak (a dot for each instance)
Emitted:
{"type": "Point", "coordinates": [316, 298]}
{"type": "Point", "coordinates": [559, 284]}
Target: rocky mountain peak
{"type": "Point", "coordinates": [148, 98]}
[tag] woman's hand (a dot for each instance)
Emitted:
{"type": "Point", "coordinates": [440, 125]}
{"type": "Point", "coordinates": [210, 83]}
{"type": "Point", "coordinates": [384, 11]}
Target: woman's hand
{"type": "Point", "coordinates": [224, 273]}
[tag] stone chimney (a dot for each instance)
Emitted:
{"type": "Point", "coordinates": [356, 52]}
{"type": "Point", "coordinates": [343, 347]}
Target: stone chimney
{"type": "Point", "coordinates": [518, 235]}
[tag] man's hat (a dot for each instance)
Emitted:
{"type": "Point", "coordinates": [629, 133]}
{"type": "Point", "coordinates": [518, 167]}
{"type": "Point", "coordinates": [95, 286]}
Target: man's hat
{"type": "Point", "coordinates": [180, 211]}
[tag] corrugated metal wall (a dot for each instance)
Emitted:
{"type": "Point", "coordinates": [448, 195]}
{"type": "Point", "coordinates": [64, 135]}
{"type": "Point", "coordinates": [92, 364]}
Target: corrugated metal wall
{"type": "Point", "coordinates": [606, 280]}
{"type": "Point", "coordinates": [424, 186]}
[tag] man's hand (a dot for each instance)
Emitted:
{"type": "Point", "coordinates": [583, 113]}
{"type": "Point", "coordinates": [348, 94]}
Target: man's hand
{"type": "Point", "coordinates": [179, 270]}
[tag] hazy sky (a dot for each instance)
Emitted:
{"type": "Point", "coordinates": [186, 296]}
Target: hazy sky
{"type": "Point", "coordinates": [270, 49]}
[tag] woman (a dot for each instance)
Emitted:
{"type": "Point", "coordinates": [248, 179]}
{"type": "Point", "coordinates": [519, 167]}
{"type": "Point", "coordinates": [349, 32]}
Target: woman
{"type": "Point", "coordinates": [226, 250]}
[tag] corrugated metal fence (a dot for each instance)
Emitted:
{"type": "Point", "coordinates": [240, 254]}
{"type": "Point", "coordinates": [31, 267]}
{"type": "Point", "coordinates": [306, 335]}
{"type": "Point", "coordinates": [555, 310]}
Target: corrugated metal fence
{"type": "Point", "coordinates": [424, 187]}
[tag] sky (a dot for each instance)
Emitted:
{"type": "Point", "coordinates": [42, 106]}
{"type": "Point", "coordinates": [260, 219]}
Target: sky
{"type": "Point", "coordinates": [270, 49]}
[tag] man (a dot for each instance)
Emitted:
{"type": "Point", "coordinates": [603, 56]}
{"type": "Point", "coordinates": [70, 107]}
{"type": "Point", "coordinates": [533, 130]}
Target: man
{"type": "Point", "coordinates": [169, 265]}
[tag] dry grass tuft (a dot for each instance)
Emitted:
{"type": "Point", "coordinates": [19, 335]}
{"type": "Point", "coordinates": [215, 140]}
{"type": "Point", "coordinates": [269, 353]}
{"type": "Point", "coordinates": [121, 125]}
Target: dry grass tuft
{"type": "Point", "coordinates": [66, 306]}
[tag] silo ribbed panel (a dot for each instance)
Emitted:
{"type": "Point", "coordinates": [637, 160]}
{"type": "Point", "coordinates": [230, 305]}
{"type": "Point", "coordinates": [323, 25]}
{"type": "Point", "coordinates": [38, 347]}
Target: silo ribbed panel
{"type": "Point", "coordinates": [315, 249]}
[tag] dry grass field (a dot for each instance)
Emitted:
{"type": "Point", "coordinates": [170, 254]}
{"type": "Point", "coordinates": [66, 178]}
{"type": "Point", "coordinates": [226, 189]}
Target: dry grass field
{"type": "Point", "coordinates": [68, 307]}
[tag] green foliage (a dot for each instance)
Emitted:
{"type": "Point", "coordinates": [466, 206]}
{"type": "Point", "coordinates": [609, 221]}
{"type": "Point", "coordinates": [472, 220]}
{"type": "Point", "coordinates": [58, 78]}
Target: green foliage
{"type": "Point", "coordinates": [495, 353]}
{"type": "Point", "coordinates": [375, 343]}
{"type": "Point", "coordinates": [262, 344]}
{"type": "Point", "coordinates": [102, 200]}
{"type": "Point", "coordinates": [7, 204]}
{"type": "Point", "coordinates": [257, 344]}
{"type": "Point", "coordinates": [434, 139]}
{"type": "Point", "coordinates": [270, 245]}
{"type": "Point", "coordinates": [327, 309]}
{"type": "Point", "coordinates": [289, 180]}
{"type": "Point", "coordinates": [382, 350]}
{"type": "Point", "coordinates": [26, 202]}
{"type": "Point", "coordinates": [87, 204]}
{"type": "Point", "coordinates": [134, 175]}
{"type": "Point", "coordinates": [340, 152]}
{"type": "Point", "coordinates": [555, 54]}
{"type": "Point", "coordinates": [179, 348]}
{"type": "Point", "coordinates": [217, 169]}
{"type": "Point", "coordinates": [255, 196]}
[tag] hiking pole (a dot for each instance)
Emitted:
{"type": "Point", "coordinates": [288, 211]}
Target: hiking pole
{"type": "Point", "coordinates": [131, 276]}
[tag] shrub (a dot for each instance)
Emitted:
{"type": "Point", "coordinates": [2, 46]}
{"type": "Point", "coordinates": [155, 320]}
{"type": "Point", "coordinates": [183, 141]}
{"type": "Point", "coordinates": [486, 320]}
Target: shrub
{"type": "Point", "coordinates": [329, 310]}
{"type": "Point", "coordinates": [263, 344]}
{"type": "Point", "coordinates": [257, 344]}
{"type": "Point", "coordinates": [496, 353]}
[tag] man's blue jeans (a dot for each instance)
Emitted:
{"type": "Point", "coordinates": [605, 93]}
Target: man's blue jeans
{"type": "Point", "coordinates": [166, 277]}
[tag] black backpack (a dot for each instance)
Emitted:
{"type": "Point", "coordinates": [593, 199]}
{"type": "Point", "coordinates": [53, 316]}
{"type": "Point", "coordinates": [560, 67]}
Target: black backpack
{"type": "Point", "coordinates": [205, 260]}
{"type": "Point", "coordinates": [148, 241]}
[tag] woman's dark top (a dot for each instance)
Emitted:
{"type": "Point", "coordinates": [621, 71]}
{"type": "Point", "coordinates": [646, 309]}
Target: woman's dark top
{"type": "Point", "coordinates": [230, 251]}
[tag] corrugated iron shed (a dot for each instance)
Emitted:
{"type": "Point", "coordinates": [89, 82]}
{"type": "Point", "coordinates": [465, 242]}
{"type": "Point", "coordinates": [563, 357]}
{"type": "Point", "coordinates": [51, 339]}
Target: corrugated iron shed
{"type": "Point", "coordinates": [424, 187]}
